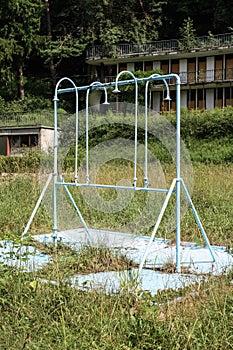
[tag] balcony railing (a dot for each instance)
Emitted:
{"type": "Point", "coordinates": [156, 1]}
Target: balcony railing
{"type": "Point", "coordinates": [209, 42]}
{"type": "Point", "coordinates": [208, 76]}
{"type": "Point", "coordinates": [195, 77]}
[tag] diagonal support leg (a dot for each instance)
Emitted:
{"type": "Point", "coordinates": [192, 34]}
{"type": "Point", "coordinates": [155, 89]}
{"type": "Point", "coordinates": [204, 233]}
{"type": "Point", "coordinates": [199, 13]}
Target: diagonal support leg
{"type": "Point", "coordinates": [198, 220]}
{"type": "Point", "coordinates": [37, 205]}
{"type": "Point", "coordinates": [157, 225]}
{"type": "Point", "coordinates": [76, 209]}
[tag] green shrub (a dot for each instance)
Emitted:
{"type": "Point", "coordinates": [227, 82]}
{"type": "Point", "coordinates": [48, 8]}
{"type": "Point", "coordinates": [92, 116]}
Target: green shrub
{"type": "Point", "coordinates": [29, 162]}
{"type": "Point", "coordinates": [208, 124]}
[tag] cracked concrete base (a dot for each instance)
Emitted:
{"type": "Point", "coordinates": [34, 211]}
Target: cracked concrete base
{"type": "Point", "coordinates": [196, 259]}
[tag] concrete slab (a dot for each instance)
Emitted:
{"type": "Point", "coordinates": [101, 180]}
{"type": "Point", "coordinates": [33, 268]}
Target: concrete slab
{"type": "Point", "coordinates": [25, 258]}
{"type": "Point", "coordinates": [113, 282]}
{"type": "Point", "coordinates": [196, 259]}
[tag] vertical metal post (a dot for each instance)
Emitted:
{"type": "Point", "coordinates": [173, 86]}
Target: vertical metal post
{"type": "Point", "coordinates": [178, 174]}
{"type": "Point", "coordinates": [55, 170]}
{"type": "Point", "coordinates": [135, 134]}
{"type": "Point", "coordinates": [76, 136]}
{"type": "Point", "coordinates": [116, 90]}
{"type": "Point", "coordinates": [87, 136]}
{"type": "Point", "coordinates": [146, 184]}
{"type": "Point", "coordinates": [55, 153]}
{"type": "Point", "coordinates": [87, 123]}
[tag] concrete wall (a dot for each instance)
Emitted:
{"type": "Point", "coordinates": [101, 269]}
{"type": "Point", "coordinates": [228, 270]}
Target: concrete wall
{"type": "Point", "coordinates": [46, 140]}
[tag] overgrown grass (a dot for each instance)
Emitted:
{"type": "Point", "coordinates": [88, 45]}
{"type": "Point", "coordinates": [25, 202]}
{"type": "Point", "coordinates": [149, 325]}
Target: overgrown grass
{"type": "Point", "coordinates": [89, 259]}
{"type": "Point", "coordinates": [41, 315]}
{"type": "Point", "coordinates": [212, 196]}
{"type": "Point", "coordinates": [35, 314]}
{"type": "Point", "coordinates": [18, 196]}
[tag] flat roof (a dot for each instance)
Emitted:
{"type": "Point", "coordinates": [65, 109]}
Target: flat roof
{"type": "Point", "coordinates": [25, 129]}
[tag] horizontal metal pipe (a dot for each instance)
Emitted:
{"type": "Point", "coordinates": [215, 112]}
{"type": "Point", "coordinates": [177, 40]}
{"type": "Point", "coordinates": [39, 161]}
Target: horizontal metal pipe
{"type": "Point", "coordinates": [145, 189]}
{"type": "Point", "coordinates": [182, 263]}
{"type": "Point", "coordinates": [121, 82]}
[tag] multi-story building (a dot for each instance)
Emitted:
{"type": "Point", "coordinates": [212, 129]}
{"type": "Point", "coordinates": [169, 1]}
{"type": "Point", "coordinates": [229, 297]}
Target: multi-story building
{"type": "Point", "coordinates": [205, 67]}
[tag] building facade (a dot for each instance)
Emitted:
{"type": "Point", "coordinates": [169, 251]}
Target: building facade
{"type": "Point", "coordinates": [205, 67]}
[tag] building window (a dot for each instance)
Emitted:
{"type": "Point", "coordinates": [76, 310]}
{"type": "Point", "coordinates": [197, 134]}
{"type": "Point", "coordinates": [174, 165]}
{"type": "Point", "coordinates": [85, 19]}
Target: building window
{"type": "Point", "coordinates": [201, 70]}
{"type": "Point", "coordinates": [229, 67]}
{"type": "Point", "coordinates": [192, 99]}
{"type": "Point", "coordinates": [175, 66]}
{"type": "Point", "coordinates": [33, 140]}
{"type": "Point", "coordinates": [192, 70]}
{"type": "Point", "coordinates": [219, 97]}
{"type": "Point", "coordinates": [20, 141]}
{"type": "Point", "coordinates": [138, 66]}
{"type": "Point", "coordinates": [122, 66]}
{"type": "Point", "coordinates": [165, 67]}
{"type": "Point", "coordinates": [228, 96]}
{"type": "Point", "coordinates": [218, 68]}
{"type": "Point", "coordinates": [110, 70]}
{"type": "Point", "coordinates": [148, 65]}
{"type": "Point", "coordinates": [15, 141]}
{"type": "Point", "coordinates": [173, 100]}
{"type": "Point", "coordinates": [174, 69]}
{"type": "Point", "coordinates": [201, 99]}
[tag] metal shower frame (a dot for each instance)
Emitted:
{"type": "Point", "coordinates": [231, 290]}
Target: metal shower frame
{"type": "Point", "coordinates": [176, 185]}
